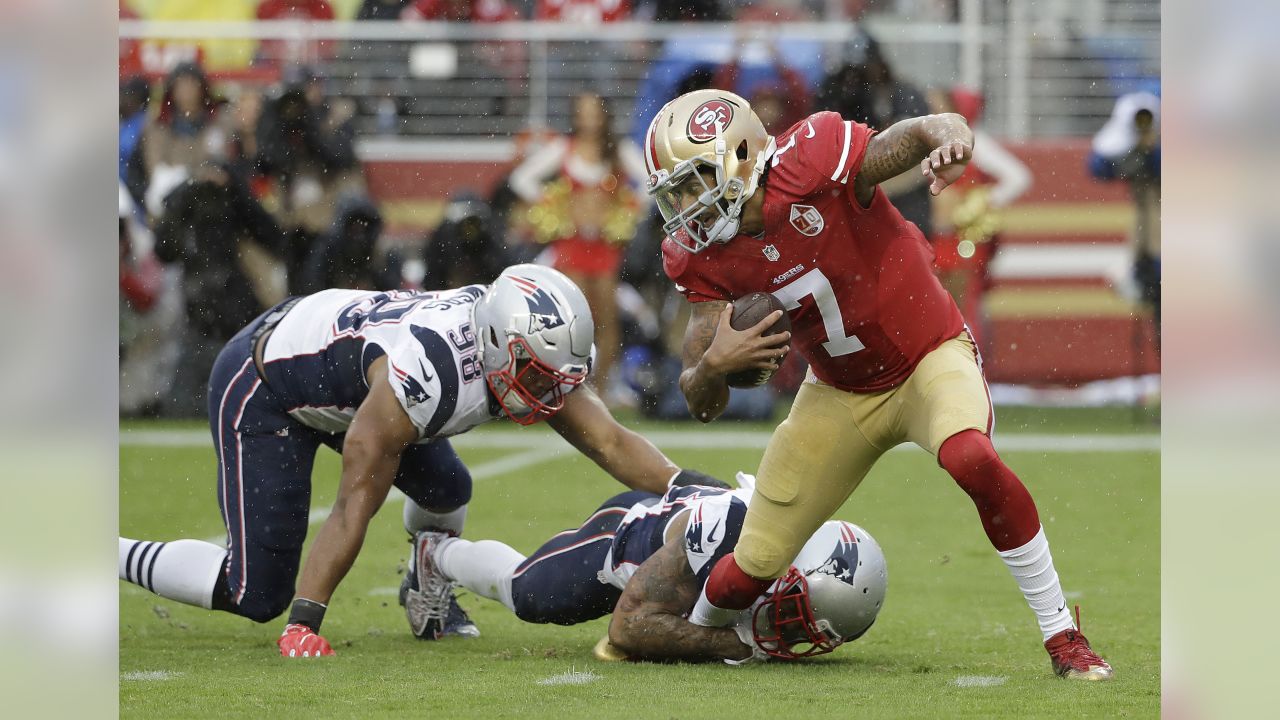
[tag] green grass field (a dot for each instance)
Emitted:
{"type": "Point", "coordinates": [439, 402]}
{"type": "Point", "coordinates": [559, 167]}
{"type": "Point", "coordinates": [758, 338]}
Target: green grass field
{"type": "Point", "coordinates": [954, 640]}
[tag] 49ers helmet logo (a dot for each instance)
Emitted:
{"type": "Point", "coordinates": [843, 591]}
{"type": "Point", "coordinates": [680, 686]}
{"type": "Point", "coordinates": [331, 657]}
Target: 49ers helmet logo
{"type": "Point", "coordinates": [703, 121]}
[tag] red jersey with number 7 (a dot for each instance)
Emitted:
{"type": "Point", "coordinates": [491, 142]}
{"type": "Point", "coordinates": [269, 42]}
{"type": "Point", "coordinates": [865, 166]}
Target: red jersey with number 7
{"type": "Point", "coordinates": [858, 282]}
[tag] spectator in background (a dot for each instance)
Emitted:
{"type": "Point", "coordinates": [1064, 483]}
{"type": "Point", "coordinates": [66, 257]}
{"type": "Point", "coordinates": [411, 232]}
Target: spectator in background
{"type": "Point", "coordinates": [382, 9]}
{"type": "Point", "coordinates": [585, 12]}
{"type": "Point", "coordinates": [464, 248]}
{"type": "Point", "coordinates": [685, 10]}
{"type": "Point", "coordinates": [221, 238]}
{"type": "Point", "coordinates": [347, 257]}
{"type": "Point", "coordinates": [584, 203]}
{"type": "Point", "coordinates": [1127, 148]}
{"type": "Point", "coordinates": [479, 11]}
{"type": "Point", "coordinates": [151, 317]}
{"type": "Point", "coordinates": [780, 103]}
{"type": "Point", "coordinates": [967, 217]}
{"type": "Point", "coordinates": [306, 146]}
{"type": "Point", "coordinates": [135, 95]}
{"type": "Point", "coordinates": [242, 146]}
{"type": "Point", "coordinates": [294, 51]}
{"type": "Point", "coordinates": [183, 135]}
{"type": "Point", "coordinates": [867, 91]}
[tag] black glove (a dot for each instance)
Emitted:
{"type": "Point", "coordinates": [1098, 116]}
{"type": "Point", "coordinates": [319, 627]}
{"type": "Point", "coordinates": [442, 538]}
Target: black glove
{"type": "Point", "coordinates": [693, 477]}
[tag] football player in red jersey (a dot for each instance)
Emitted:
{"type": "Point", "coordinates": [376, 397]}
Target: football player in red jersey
{"type": "Point", "coordinates": [801, 216]}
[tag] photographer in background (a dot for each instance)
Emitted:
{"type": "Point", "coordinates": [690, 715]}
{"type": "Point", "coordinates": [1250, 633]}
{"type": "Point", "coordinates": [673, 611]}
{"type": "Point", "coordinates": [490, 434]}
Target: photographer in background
{"type": "Point", "coordinates": [306, 147]}
{"type": "Point", "coordinates": [464, 248]}
{"type": "Point", "coordinates": [347, 256]}
{"type": "Point", "coordinates": [1127, 148]}
{"type": "Point", "coordinates": [224, 242]}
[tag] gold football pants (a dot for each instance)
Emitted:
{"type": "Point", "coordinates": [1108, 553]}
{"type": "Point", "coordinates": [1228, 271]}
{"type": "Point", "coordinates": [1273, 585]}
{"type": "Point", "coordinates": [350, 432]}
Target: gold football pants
{"type": "Point", "coordinates": [831, 438]}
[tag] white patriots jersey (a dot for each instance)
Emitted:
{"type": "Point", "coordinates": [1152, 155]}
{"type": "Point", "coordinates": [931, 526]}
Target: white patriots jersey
{"type": "Point", "coordinates": [317, 358]}
{"type": "Point", "coordinates": [715, 522]}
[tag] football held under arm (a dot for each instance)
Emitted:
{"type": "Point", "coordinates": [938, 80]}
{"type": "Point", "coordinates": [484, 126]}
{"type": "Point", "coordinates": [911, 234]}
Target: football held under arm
{"type": "Point", "coordinates": [648, 622]}
{"type": "Point", "coordinates": [713, 349]}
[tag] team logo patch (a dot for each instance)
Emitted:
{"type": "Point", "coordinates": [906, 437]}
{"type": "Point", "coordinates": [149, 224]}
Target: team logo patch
{"type": "Point", "coordinates": [771, 252]}
{"type": "Point", "coordinates": [807, 220]}
{"type": "Point", "coordinates": [543, 311]}
{"type": "Point", "coordinates": [703, 121]}
{"type": "Point", "coordinates": [414, 392]}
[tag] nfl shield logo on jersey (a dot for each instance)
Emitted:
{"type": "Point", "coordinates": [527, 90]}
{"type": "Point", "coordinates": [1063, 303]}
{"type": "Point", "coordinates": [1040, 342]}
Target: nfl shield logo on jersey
{"type": "Point", "coordinates": [807, 219]}
{"type": "Point", "coordinates": [772, 253]}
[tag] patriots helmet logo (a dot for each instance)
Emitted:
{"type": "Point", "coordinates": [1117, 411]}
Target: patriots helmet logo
{"type": "Point", "coordinates": [544, 314]}
{"type": "Point", "coordinates": [843, 557]}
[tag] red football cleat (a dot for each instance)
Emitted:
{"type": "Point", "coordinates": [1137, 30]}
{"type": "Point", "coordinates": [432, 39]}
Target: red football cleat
{"type": "Point", "coordinates": [1072, 657]}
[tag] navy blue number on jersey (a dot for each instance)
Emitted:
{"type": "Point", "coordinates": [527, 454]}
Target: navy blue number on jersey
{"type": "Point", "coordinates": [380, 308]}
{"type": "Point", "coordinates": [464, 341]}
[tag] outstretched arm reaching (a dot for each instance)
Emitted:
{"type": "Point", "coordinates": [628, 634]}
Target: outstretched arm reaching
{"type": "Point", "coordinates": [940, 145]}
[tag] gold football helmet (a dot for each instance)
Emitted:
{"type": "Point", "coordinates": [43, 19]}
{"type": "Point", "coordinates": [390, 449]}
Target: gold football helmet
{"type": "Point", "coordinates": [705, 151]}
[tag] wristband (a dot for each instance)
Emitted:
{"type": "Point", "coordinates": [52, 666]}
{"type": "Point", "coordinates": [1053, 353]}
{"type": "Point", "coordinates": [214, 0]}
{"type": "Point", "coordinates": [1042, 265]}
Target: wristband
{"type": "Point", "coordinates": [693, 477]}
{"type": "Point", "coordinates": [307, 612]}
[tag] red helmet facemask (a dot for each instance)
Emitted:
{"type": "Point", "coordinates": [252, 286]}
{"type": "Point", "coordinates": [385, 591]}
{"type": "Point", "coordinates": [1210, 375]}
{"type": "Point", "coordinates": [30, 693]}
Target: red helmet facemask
{"type": "Point", "coordinates": [789, 630]}
{"type": "Point", "coordinates": [530, 380]}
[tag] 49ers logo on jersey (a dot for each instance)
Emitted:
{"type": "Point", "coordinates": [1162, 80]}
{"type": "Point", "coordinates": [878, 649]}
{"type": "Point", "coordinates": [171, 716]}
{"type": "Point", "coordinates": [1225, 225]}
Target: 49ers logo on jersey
{"type": "Point", "coordinates": [807, 219]}
{"type": "Point", "coordinates": [703, 121]}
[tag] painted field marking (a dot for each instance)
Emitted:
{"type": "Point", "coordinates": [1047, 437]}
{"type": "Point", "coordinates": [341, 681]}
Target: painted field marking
{"type": "Point", "coordinates": [148, 675]}
{"type": "Point", "coordinates": [968, 681]}
{"type": "Point", "coordinates": [573, 677]}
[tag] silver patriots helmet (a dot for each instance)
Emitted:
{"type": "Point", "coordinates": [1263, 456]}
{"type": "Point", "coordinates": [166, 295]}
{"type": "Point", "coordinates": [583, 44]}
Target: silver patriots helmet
{"type": "Point", "coordinates": [536, 333]}
{"type": "Point", "coordinates": [831, 595]}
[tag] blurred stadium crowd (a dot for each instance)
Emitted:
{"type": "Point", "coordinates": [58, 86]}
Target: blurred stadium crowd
{"type": "Point", "coordinates": [241, 181]}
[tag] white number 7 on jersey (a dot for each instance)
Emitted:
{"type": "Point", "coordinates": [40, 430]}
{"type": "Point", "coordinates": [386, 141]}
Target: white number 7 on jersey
{"type": "Point", "coordinates": [816, 284]}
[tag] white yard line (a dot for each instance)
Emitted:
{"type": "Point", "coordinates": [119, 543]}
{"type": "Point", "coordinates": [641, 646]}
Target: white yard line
{"type": "Point", "coordinates": [967, 681]}
{"type": "Point", "coordinates": [550, 444]}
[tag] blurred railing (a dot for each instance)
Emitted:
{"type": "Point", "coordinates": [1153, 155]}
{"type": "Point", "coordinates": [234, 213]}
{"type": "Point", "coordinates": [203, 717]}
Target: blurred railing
{"type": "Point", "coordinates": [489, 81]}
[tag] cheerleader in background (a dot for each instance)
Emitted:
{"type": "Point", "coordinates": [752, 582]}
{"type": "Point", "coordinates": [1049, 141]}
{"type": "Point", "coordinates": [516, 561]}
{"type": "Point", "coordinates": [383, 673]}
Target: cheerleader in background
{"type": "Point", "coordinates": [966, 219]}
{"type": "Point", "coordinates": [584, 204]}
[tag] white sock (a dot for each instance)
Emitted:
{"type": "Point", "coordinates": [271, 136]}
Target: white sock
{"type": "Point", "coordinates": [182, 570]}
{"type": "Point", "coordinates": [707, 614]}
{"type": "Point", "coordinates": [484, 567]}
{"type": "Point", "coordinates": [418, 518]}
{"type": "Point", "coordinates": [1032, 566]}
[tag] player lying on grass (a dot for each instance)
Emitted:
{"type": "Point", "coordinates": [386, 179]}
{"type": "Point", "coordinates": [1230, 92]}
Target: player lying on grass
{"type": "Point", "coordinates": [645, 558]}
{"type": "Point", "coordinates": [803, 218]}
{"type": "Point", "coordinates": [383, 378]}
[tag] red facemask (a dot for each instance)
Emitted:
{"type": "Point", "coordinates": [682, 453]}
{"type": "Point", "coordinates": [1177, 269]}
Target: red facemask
{"type": "Point", "coordinates": [531, 381]}
{"type": "Point", "coordinates": [784, 625]}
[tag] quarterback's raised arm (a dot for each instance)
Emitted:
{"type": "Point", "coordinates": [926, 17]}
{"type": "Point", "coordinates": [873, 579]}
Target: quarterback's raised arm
{"type": "Point", "coordinates": [626, 455]}
{"type": "Point", "coordinates": [648, 622]}
{"type": "Point", "coordinates": [713, 349]}
{"type": "Point", "coordinates": [378, 435]}
{"type": "Point", "coordinates": [939, 145]}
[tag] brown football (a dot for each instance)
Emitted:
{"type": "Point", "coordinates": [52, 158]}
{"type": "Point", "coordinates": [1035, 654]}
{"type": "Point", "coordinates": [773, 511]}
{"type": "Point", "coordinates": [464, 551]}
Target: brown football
{"type": "Point", "coordinates": [749, 310]}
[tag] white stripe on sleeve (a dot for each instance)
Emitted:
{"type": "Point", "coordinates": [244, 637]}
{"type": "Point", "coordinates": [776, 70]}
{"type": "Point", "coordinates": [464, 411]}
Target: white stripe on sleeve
{"type": "Point", "coordinates": [844, 156]}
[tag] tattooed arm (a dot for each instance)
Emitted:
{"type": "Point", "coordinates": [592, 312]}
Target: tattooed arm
{"type": "Point", "coordinates": [648, 622]}
{"type": "Point", "coordinates": [940, 145]}
{"type": "Point", "coordinates": [713, 349]}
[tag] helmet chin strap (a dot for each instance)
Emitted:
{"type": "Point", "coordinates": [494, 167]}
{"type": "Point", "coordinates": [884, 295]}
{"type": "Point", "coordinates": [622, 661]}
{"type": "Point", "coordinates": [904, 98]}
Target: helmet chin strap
{"type": "Point", "coordinates": [724, 229]}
